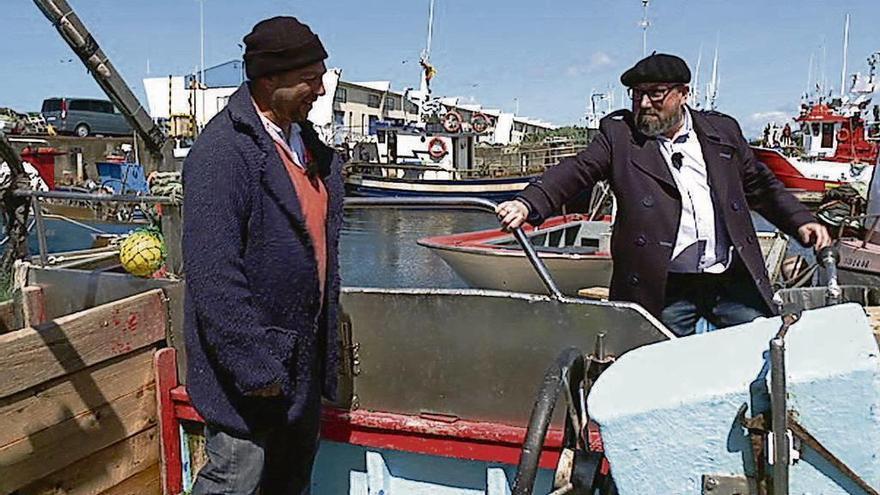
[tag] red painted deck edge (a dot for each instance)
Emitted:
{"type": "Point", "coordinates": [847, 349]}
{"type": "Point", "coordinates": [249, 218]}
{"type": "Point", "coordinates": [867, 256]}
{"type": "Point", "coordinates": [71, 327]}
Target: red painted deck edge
{"type": "Point", "coordinates": [459, 439]}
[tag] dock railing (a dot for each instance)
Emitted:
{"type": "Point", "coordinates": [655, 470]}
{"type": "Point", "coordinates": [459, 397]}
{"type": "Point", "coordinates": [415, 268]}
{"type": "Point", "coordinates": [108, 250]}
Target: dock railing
{"type": "Point", "coordinates": [426, 202]}
{"type": "Point", "coordinates": [36, 197]}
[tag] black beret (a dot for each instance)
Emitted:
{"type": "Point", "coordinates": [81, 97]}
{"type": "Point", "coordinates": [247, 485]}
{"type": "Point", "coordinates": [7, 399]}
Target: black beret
{"type": "Point", "coordinates": [657, 68]}
{"type": "Point", "coordinates": [280, 44]}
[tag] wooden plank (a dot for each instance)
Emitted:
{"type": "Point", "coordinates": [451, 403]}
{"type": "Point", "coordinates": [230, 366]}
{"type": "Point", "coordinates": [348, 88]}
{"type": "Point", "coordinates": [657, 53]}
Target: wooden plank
{"type": "Point", "coordinates": [51, 449]}
{"type": "Point", "coordinates": [598, 293]}
{"type": "Point", "coordinates": [33, 306]}
{"type": "Point", "coordinates": [26, 414]}
{"type": "Point", "coordinates": [8, 318]}
{"type": "Point", "coordinates": [33, 355]}
{"type": "Point", "coordinates": [144, 483]}
{"type": "Point", "coordinates": [103, 470]}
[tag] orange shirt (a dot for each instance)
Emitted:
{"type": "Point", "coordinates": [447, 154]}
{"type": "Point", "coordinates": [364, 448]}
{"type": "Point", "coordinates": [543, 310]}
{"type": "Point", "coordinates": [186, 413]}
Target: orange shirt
{"type": "Point", "coordinates": [313, 200]}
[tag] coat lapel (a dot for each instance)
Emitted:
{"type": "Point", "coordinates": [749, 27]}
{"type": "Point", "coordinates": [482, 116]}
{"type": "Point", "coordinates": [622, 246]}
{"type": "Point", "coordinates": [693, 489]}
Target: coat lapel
{"type": "Point", "coordinates": [280, 186]}
{"type": "Point", "coordinates": [647, 157]}
{"type": "Point", "coordinates": [719, 155]}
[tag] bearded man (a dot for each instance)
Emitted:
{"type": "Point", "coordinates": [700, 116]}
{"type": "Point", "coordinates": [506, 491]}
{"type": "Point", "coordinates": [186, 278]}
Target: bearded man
{"type": "Point", "coordinates": [683, 244]}
{"type": "Point", "coordinates": [262, 214]}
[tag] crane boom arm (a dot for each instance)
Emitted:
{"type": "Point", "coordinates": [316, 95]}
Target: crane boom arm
{"type": "Point", "coordinates": [75, 33]}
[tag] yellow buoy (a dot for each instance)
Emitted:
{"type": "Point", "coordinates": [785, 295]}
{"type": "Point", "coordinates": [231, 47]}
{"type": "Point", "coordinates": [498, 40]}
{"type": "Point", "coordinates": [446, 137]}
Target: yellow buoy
{"type": "Point", "coordinates": [142, 253]}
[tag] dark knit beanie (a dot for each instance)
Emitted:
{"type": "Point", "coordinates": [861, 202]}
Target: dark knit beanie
{"type": "Point", "coordinates": [280, 44]}
{"type": "Point", "coordinates": [657, 68]}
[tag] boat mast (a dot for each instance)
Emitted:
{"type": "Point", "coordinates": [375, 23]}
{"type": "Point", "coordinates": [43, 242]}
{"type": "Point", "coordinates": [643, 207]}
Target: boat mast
{"type": "Point", "coordinates": [845, 45]}
{"type": "Point", "coordinates": [809, 79]}
{"type": "Point", "coordinates": [712, 87]}
{"type": "Point", "coordinates": [644, 24]}
{"type": "Point", "coordinates": [426, 53]}
{"type": "Point", "coordinates": [695, 89]}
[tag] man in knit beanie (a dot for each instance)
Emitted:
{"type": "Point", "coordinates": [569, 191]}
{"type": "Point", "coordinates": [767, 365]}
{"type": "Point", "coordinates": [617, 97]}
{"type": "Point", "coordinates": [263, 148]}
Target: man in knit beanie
{"type": "Point", "coordinates": [263, 211]}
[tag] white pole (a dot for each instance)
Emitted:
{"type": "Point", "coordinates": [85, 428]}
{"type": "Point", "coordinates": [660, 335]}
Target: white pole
{"type": "Point", "coordinates": [713, 91]}
{"type": "Point", "coordinates": [202, 56]}
{"type": "Point", "coordinates": [645, 28]}
{"type": "Point", "coordinates": [845, 43]}
{"type": "Point", "coordinates": [695, 87]}
{"type": "Point", "coordinates": [202, 41]}
{"type": "Point", "coordinates": [824, 62]}
{"type": "Point", "coordinates": [430, 29]}
{"type": "Point", "coordinates": [810, 77]}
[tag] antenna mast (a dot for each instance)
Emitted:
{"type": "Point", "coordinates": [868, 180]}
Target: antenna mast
{"type": "Point", "coordinates": [845, 46]}
{"type": "Point", "coordinates": [695, 90]}
{"type": "Point", "coordinates": [644, 24]}
{"type": "Point", "coordinates": [427, 53]}
{"type": "Point", "coordinates": [712, 90]}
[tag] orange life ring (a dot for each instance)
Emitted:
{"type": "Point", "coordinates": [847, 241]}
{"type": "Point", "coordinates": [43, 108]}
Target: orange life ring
{"type": "Point", "coordinates": [843, 134]}
{"type": "Point", "coordinates": [480, 122]}
{"type": "Point", "coordinates": [436, 149]}
{"type": "Point", "coordinates": [452, 121]}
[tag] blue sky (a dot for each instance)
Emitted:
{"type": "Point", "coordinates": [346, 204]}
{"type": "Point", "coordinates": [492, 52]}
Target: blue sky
{"type": "Point", "coordinates": [547, 54]}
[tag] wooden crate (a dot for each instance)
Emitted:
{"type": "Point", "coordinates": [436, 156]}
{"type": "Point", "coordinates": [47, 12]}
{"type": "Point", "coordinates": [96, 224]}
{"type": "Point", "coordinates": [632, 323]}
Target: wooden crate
{"type": "Point", "coordinates": [78, 399]}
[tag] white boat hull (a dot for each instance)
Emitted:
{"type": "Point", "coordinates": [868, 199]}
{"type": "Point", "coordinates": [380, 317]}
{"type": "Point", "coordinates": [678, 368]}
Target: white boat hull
{"type": "Point", "coordinates": [512, 272]}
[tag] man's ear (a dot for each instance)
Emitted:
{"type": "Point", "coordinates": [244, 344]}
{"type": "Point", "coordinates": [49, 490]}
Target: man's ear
{"type": "Point", "coordinates": [267, 84]}
{"type": "Point", "coordinates": [685, 90]}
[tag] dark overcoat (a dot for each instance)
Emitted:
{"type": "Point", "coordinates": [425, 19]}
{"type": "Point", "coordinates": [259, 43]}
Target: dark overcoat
{"type": "Point", "coordinates": [253, 314]}
{"type": "Point", "coordinates": [649, 203]}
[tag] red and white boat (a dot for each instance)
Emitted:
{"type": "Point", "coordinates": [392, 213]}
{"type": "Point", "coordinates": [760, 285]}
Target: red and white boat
{"type": "Point", "coordinates": [841, 139]}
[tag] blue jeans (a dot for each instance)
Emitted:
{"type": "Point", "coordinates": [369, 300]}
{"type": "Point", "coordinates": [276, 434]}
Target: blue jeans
{"type": "Point", "coordinates": [724, 300]}
{"type": "Point", "coordinates": [277, 461]}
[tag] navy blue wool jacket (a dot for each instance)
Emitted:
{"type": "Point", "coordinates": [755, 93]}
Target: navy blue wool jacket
{"type": "Point", "coordinates": [253, 316]}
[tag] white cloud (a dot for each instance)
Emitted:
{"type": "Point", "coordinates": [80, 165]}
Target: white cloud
{"type": "Point", "coordinates": [771, 116]}
{"type": "Point", "coordinates": [754, 124]}
{"type": "Point", "coordinates": [597, 61]}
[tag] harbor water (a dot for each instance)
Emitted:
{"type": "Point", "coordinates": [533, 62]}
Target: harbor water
{"type": "Point", "coordinates": [378, 247]}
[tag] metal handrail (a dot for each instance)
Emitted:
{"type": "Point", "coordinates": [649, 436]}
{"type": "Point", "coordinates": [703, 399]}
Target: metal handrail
{"type": "Point", "coordinates": [109, 198]}
{"type": "Point", "coordinates": [470, 203]}
{"type": "Point", "coordinates": [350, 203]}
{"type": "Point", "coordinates": [36, 196]}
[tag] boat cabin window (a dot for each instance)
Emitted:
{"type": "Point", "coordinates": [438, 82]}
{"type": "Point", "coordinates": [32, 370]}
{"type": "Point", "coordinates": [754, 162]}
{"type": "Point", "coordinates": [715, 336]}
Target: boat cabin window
{"type": "Point", "coordinates": [380, 136]}
{"type": "Point", "coordinates": [814, 129]}
{"type": "Point", "coordinates": [827, 135]}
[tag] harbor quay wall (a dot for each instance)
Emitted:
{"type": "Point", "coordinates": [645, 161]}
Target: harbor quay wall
{"type": "Point", "coordinates": [93, 149]}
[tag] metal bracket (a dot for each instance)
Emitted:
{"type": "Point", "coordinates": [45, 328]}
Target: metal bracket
{"type": "Point", "coordinates": [718, 484]}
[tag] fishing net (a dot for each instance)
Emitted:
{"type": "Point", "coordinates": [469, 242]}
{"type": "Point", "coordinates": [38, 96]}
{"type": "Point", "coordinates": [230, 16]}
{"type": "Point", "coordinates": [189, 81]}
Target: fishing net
{"type": "Point", "coordinates": [142, 253]}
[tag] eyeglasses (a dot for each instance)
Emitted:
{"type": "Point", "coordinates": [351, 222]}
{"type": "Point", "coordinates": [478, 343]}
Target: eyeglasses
{"type": "Point", "coordinates": [655, 95]}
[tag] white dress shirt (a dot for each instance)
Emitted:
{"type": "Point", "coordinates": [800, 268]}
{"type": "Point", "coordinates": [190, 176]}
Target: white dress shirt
{"type": "Point", "coordinates": [294, 145]}
{"type": "Point", "coordinates": [697, 223]}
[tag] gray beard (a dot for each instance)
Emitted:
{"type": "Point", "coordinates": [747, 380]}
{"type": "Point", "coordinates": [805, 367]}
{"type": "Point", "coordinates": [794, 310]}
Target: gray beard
{"type": "Point", "coordinates": [653, 127]}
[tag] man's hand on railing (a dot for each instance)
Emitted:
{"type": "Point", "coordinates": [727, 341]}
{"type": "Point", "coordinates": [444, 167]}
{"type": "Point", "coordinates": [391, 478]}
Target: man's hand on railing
{"type": "Point", "coordinates": [814, 234]}
{"type": "Point", "coordinates": [512, 214]}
